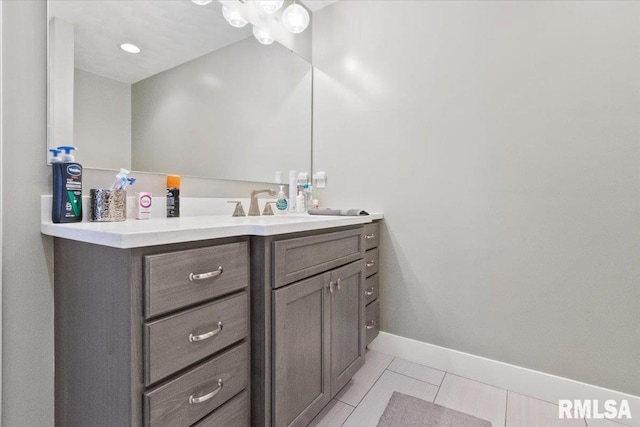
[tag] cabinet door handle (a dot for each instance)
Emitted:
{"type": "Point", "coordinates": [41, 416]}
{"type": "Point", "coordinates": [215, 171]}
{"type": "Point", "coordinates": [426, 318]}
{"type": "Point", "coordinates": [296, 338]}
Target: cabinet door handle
{"type": "Point", "coordinates": [338, 284]}
{"type": "Point", "coordinates": [370, 325]}
{"type": "Point", "coordinates": [369, 236]}
{"type": "Point", "coordinates": [330, 286]}
{"type": "Point", "coordinates": [370, 264]}
{"type": "Point", "coordinates": [207, 396]}
{"type": "Point", "coordinates": [369, 292]}
{"type": "Point", "coordinates": [194, 338]}
{"type": "Point", "coordinates": [193, 277]}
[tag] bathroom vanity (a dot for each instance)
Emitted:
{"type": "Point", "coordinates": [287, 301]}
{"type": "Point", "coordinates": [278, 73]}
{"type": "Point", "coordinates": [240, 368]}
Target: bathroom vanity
{"type": "Point", "coordinates": [208, 321]}
{"type": "Point", "coordinates": [152, 336]}
{"type": "Point", "coordinates": [308, 309]}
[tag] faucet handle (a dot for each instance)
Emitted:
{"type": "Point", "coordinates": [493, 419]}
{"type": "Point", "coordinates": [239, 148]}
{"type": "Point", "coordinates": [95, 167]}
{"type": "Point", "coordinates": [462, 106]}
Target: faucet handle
{"type": "Point", "coordinates": [239, 211]}
{"type": "Point", "coordinates": [267, 208]}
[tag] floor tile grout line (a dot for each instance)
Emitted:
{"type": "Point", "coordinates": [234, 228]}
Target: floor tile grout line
{"type": "Point", "coordinates": [317, 417]}
{"type": "Point", "coordinates": [439, 387]}
{"type": "Point", "coordinates": [419, 364]}
{"type": "Point", "coordinates": [407, 375]}
{"type": "Point", "coordinates": [414, 378]}
{"type": "Point", "coordinates": [363, 397]}
{"type": "Point", "coordinates": [506, 408]}
{"type": "Point", "coordinates": [483, 383]}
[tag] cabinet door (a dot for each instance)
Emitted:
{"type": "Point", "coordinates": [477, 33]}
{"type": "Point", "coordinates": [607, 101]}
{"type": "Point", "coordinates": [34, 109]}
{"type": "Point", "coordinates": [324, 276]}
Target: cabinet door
{"type": "Point", "coordinates": [301, 321]}
{"type": "Point", "coordinates": [347, 323]}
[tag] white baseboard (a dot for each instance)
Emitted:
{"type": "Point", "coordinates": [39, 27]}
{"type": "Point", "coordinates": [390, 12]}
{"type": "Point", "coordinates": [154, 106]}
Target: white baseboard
{"type": "Point", "coordinates": [525, 381]}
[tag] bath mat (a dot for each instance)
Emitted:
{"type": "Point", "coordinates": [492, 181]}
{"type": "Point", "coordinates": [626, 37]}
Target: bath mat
{"type": "Point", "coordinates": [409, 411]}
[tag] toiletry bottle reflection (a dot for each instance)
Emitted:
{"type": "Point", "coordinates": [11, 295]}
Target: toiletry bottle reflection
{"type": "Point", "coordinates": [67, 187]}
{"type": "Point", "coordinates": [173, 196]}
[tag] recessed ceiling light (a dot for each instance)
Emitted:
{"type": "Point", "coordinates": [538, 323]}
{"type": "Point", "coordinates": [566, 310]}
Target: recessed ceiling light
{"type": "Point", "coordinates": [201, 2]}
{"type": "Point", "coordinates": [130, 48]}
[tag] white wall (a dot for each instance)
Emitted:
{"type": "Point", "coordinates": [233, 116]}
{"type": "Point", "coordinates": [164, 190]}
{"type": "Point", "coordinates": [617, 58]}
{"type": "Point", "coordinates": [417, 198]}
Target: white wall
{"type": "Point", "coordinates": [102, 121]}
{"type": "Point", "coordinates": [27, 282]}
{"type": "Point", "coordinates": [501, 140]}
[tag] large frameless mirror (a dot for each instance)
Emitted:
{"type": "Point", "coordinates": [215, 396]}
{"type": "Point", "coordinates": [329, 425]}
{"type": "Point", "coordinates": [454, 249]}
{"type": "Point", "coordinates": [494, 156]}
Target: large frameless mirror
{"type": "Point", "coordinates": [199, 98]}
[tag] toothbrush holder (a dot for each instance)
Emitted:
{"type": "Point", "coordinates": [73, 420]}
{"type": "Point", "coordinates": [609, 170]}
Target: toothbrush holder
{"type": "Point", "coordinates": [107, 205]}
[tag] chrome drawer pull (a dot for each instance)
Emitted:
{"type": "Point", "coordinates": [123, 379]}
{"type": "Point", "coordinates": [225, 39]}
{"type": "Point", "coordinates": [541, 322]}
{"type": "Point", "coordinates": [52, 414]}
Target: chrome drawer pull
{"type": "Point", "coordinates": [369, 236]}
{"type": "Point", "coordinates": [202, 276]}
{"type": "Point", "coordinates": [370, 264]}
{"type": "Point", "coordinates": [330, 286]}
{"type": "Point", "coordinates": [369, 292]}
{"type": "Point", "coordinates": [370, 325]}
{"type": "Point", "coordinates": [206, 396]}
{"type": "Point", "coordinates": [194, 338]}
{"type": "Point", "coordinates": [338, 284]}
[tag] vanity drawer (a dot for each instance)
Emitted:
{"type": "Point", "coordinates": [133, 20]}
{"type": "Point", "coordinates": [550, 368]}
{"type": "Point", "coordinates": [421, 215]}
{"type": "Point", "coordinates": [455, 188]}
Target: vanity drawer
{"type": "Point", "coordinates": [371, 261]}
{"type": "Point", "coordinates": [177, 341]}
{"type": "Point", "coordinates": [234, 413]}
{"type": "Point", "coordinates": [178, 279]}
{"type": "Point", "coordinates": [371, 235]}
{"type": "Point", "coordinates": [297, 259]}
{"type": "Point", "coordinates": [371, 289]}
{"type": "Point", "coordinates": [372, 321]}
{"type": "Point", "coordinates": [188, 398]}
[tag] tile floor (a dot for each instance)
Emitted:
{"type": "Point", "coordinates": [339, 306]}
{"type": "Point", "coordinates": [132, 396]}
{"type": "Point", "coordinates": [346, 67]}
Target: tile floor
{"type": "Point", "coordinates": [364, 399]}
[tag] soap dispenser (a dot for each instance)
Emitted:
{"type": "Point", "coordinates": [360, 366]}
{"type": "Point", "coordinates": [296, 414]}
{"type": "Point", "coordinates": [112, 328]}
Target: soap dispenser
{"type": "Point", "coordinates": [282, 204]}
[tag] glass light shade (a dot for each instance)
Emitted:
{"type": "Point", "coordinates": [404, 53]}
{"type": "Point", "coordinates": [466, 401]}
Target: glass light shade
{"type": "Point", "coordinates": [201, 2]}
{"type": "Point", "coordinates": [262, 36]}
{"type": "Point", "coordinates": [233, 17]}
{"type": "Point", "coordinates": [270, 6]}
{"type": "Point", "coordinates": [295, 18]}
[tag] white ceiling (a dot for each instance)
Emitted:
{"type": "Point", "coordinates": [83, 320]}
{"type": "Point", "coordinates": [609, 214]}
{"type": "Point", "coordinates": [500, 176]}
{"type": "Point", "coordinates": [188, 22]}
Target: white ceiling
{"type": "Point", "coordinates": [169, 32]}
{"type": "Point", "coordinates": [315, 5]}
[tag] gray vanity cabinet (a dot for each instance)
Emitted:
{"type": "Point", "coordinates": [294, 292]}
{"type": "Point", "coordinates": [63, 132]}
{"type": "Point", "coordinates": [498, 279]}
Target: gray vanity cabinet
{"type": "Point", "coordinates": [318, 342]}
{"type": "Point", "coordinates": [347, 318]}
{"type": "Point", "coordinates": [372, 282]}
{"type": "Point", "coordinates": [152, 336]}
{"type": "Point", "coordinates": [309, 290]}
{"type": "Point", "coordinates": [302, 321]}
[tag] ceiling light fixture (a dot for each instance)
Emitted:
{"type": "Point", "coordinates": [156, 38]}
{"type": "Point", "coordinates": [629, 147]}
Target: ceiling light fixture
{"type": "Point", "coordinates": [202, 2]}
{"type": "Point", "coordinates": [270, 6]}
{"type": "Point", "coordinates": [262, 36]}
{"type": "Point", "coordinates": [130, 48]}
{"type": "Point", "coordinates": [295, 18]}
{"type": "Point", "coordinates": [233, 17]}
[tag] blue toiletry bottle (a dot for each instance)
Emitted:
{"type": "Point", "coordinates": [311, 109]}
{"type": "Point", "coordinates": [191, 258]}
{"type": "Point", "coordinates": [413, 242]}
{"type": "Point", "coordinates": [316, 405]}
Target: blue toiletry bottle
{"type": "Point", "coordinates": [67, 187]}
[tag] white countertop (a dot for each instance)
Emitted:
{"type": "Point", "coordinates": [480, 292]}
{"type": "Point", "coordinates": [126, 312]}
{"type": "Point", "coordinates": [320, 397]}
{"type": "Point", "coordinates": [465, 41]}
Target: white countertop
{"type": "Point", "coordinates": [159, 231]}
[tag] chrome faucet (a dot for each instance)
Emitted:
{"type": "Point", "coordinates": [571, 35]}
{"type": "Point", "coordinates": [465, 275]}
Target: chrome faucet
{"type": "Point", "coordinates": [254, 210]}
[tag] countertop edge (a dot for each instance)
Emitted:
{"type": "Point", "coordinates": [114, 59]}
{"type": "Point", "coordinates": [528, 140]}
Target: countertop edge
{"type": "Point", "coordinates": [90, 232]}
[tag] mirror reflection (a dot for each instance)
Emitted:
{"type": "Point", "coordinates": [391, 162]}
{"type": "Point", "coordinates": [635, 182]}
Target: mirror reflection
{"type": "Point", "coordinates": [200, 98]}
